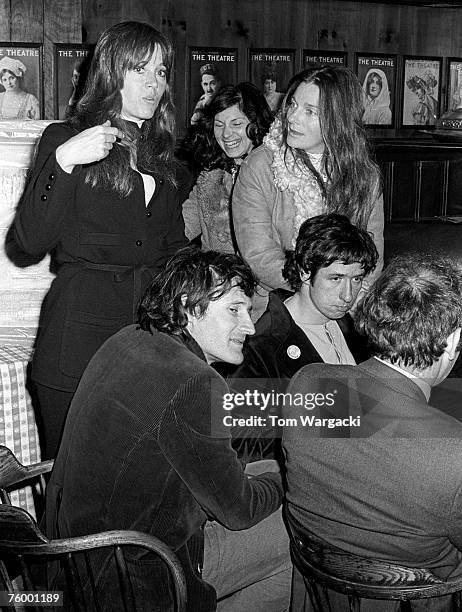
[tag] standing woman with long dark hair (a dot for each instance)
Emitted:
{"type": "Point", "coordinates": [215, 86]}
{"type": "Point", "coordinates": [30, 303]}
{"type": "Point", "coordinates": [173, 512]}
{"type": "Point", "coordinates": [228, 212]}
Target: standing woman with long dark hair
{"type": "Point", "coordinates": [103, 200]}
{"type": "Point", "coordinates": [315, 159]}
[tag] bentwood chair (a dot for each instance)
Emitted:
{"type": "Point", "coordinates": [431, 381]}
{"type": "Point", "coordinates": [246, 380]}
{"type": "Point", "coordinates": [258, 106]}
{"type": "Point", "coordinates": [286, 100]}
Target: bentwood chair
{"type": "Point", "coordinates": [24, 548]}
{"type": "Point", "coordinates": [15, 475]}
{"type": "Point", "coordinates": [326, 568]}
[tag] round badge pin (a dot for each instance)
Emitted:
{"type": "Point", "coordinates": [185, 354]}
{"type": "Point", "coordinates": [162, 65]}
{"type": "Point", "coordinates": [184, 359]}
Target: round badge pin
{"type": "Point", "coordinates": [293, 351]}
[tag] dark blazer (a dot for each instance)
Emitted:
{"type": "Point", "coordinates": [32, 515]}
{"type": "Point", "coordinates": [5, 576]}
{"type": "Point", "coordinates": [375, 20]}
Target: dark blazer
{"type": "Point", "coordinates": [144, 447]}
{"type": "Point", "coordinates": [106, 250]}
{"type": "Point", "coordinates": [390, 488]}
{"type": "Point", "coordinates": [266, 353]}
{"type": "Point", "coordinates": [269, 357]}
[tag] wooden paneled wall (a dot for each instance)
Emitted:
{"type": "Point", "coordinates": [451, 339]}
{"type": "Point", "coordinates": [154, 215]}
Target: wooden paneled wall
{"type": "Point", "coordinates": [314, 24]}
{"type": "Point", "coordinates": [422, 180]}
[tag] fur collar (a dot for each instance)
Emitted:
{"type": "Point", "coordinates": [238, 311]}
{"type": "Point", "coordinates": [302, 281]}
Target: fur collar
{"type": "Point", "coordinates": [292, 175]}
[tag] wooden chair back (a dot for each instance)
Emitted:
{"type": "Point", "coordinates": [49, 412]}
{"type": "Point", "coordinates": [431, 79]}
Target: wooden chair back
{"type": "Point", "coordinates": [325, 567]}
{"type": "Point", "coordinates": [24, 548]}
{"type": "Point", "coordinates": [14, 474]}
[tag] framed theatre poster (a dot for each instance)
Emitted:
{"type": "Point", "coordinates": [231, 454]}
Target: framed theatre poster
{"type": "Point", "coordinates": [454, 84]}
{"type": "Point", "coordinates": [20, 81]}
{"type": "Point", "coordinates": [209, 69]}
{"type": "Point", "coordinates": [421, 88]}
{"type": "Point", "coordinates": [71, 67]}
{"type": "Point", "coordinates": [377, 75]}
{"type": "Point", "coordinates": [271, 70]}
{"type": "Point", "coordinates": [329, 58]}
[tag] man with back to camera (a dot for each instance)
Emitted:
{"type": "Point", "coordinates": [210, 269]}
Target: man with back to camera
{"type": "Point", "coordinates": [145, 448]}
{"type": "Point", "coordinates": [210, 83]}
{"type": "Point", "coordinates": [384, 467]}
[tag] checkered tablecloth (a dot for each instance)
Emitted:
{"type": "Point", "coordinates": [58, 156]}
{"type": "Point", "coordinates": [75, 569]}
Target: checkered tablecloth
{"type": "Point", "coordinates": [18, 430]}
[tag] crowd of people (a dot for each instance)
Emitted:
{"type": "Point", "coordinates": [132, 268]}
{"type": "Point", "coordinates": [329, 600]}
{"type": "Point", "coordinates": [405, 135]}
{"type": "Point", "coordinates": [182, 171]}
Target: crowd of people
{"type": "Point", "coordinates": [178, 287]}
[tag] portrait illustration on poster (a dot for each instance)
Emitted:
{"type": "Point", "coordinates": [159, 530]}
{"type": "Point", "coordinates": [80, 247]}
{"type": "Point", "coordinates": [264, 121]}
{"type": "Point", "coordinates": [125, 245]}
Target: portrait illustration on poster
{"type": "Point", "coordinates": [271, 70]}
{"type": "Point", "coordinates": [323, 58]}
{"type": "Point", "coordinates": [454, 84]}
{"type": "Point", "coordinates": [209, 69]}
{"type": "Point", "coordinates": [377, 75]}
{"type": "Point", "coordinates": [20, 81]}
{"type": "Point", "coordinates": [421, 91]}
{"type": "Point", "coordinates": [71, 67]}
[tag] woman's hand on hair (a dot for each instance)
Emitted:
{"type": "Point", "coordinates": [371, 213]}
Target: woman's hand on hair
{"type": "Point", "coordinates": [89, 146]}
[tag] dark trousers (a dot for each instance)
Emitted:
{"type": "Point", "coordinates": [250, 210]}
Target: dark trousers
{"type": "Point", "coordinates": [50, 406]}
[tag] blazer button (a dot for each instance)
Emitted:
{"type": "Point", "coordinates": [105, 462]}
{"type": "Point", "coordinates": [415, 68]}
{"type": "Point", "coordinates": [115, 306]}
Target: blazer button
{"type": "Point", "coordinates": [139, 242]}
{"type": "Point", "coordinates": [161, 181]}
{"type": "Point", "coordinates": [148, 213]}
{"type": "Point", "coordinates": [44, 198]}
{"type": "Point", "coordinates": [51, 177]}
{"type": "Point", "coordinates": [48, 187]}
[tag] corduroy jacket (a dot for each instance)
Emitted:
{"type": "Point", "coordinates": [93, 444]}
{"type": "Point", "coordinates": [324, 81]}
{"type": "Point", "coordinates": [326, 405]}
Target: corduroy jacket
{"type": "Point", "coordinates": [144, 447]}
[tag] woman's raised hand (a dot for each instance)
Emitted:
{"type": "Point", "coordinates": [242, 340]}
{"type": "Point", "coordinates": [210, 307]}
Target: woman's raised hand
{"type": "Point", "coordinates": [89, 146]}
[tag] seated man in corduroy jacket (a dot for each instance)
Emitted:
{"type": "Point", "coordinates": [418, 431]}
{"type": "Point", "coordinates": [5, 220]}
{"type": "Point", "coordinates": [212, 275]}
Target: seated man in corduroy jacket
{"type": "Point", "coordinates": [145, 447]}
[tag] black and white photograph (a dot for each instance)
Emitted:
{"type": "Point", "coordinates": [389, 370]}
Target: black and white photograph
{"type": "Point", "coordinates": [377, 74]}
{"type": "Point", "coordinates": [209, 69]}
{"type": "Point", "coordinates": [20, 81]}
{"type": "Point", "coordinates": [71, 67]}
{"type": "Point", "coordinates": [271, 70]}
{"type": "Point", "coordinates": [421, 87]}
{"type": "Point", "coordinates": [231, 305]}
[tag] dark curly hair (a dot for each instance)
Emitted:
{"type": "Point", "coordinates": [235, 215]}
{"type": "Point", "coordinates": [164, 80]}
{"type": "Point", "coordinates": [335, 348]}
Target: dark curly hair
{"type": "Point", "coordinates": [324, 239]}
{"type": "Point", "coordinates": [200, 145]}
{"type": "Point", "coordinates": [200, 276]}
{"type": "Point", "coordinates": [412, 308]}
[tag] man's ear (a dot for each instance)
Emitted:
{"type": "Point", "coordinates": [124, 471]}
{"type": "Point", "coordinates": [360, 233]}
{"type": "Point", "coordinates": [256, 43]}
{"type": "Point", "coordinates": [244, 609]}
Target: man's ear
{"type": "Point", "coordinates": [192, 316]}
{"type": "Point", "coordinates": [184, 299]}
{"type": "Point", "coordinates": [453, 343]}
{"type": "Point", "coordinates": [304, 276]}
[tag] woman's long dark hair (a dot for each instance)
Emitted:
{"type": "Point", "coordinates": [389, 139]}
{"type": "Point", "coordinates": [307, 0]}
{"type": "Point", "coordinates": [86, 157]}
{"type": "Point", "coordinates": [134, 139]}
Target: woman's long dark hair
{"type": "Point", "coordinates": [200, 143]}
{"type": "Point", "coordinates": [353, 178]}
{"type": "Point", "coordinates": [119, 49]}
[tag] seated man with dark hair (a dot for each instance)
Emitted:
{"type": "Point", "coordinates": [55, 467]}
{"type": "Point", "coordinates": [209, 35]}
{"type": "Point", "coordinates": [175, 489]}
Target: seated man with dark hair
{"type": "Point", "coordinates": [384, 468]}
{"type": "Point", "coordinates": [145, 447]}
{"type": "Point", "coordinates": [310, 324]}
